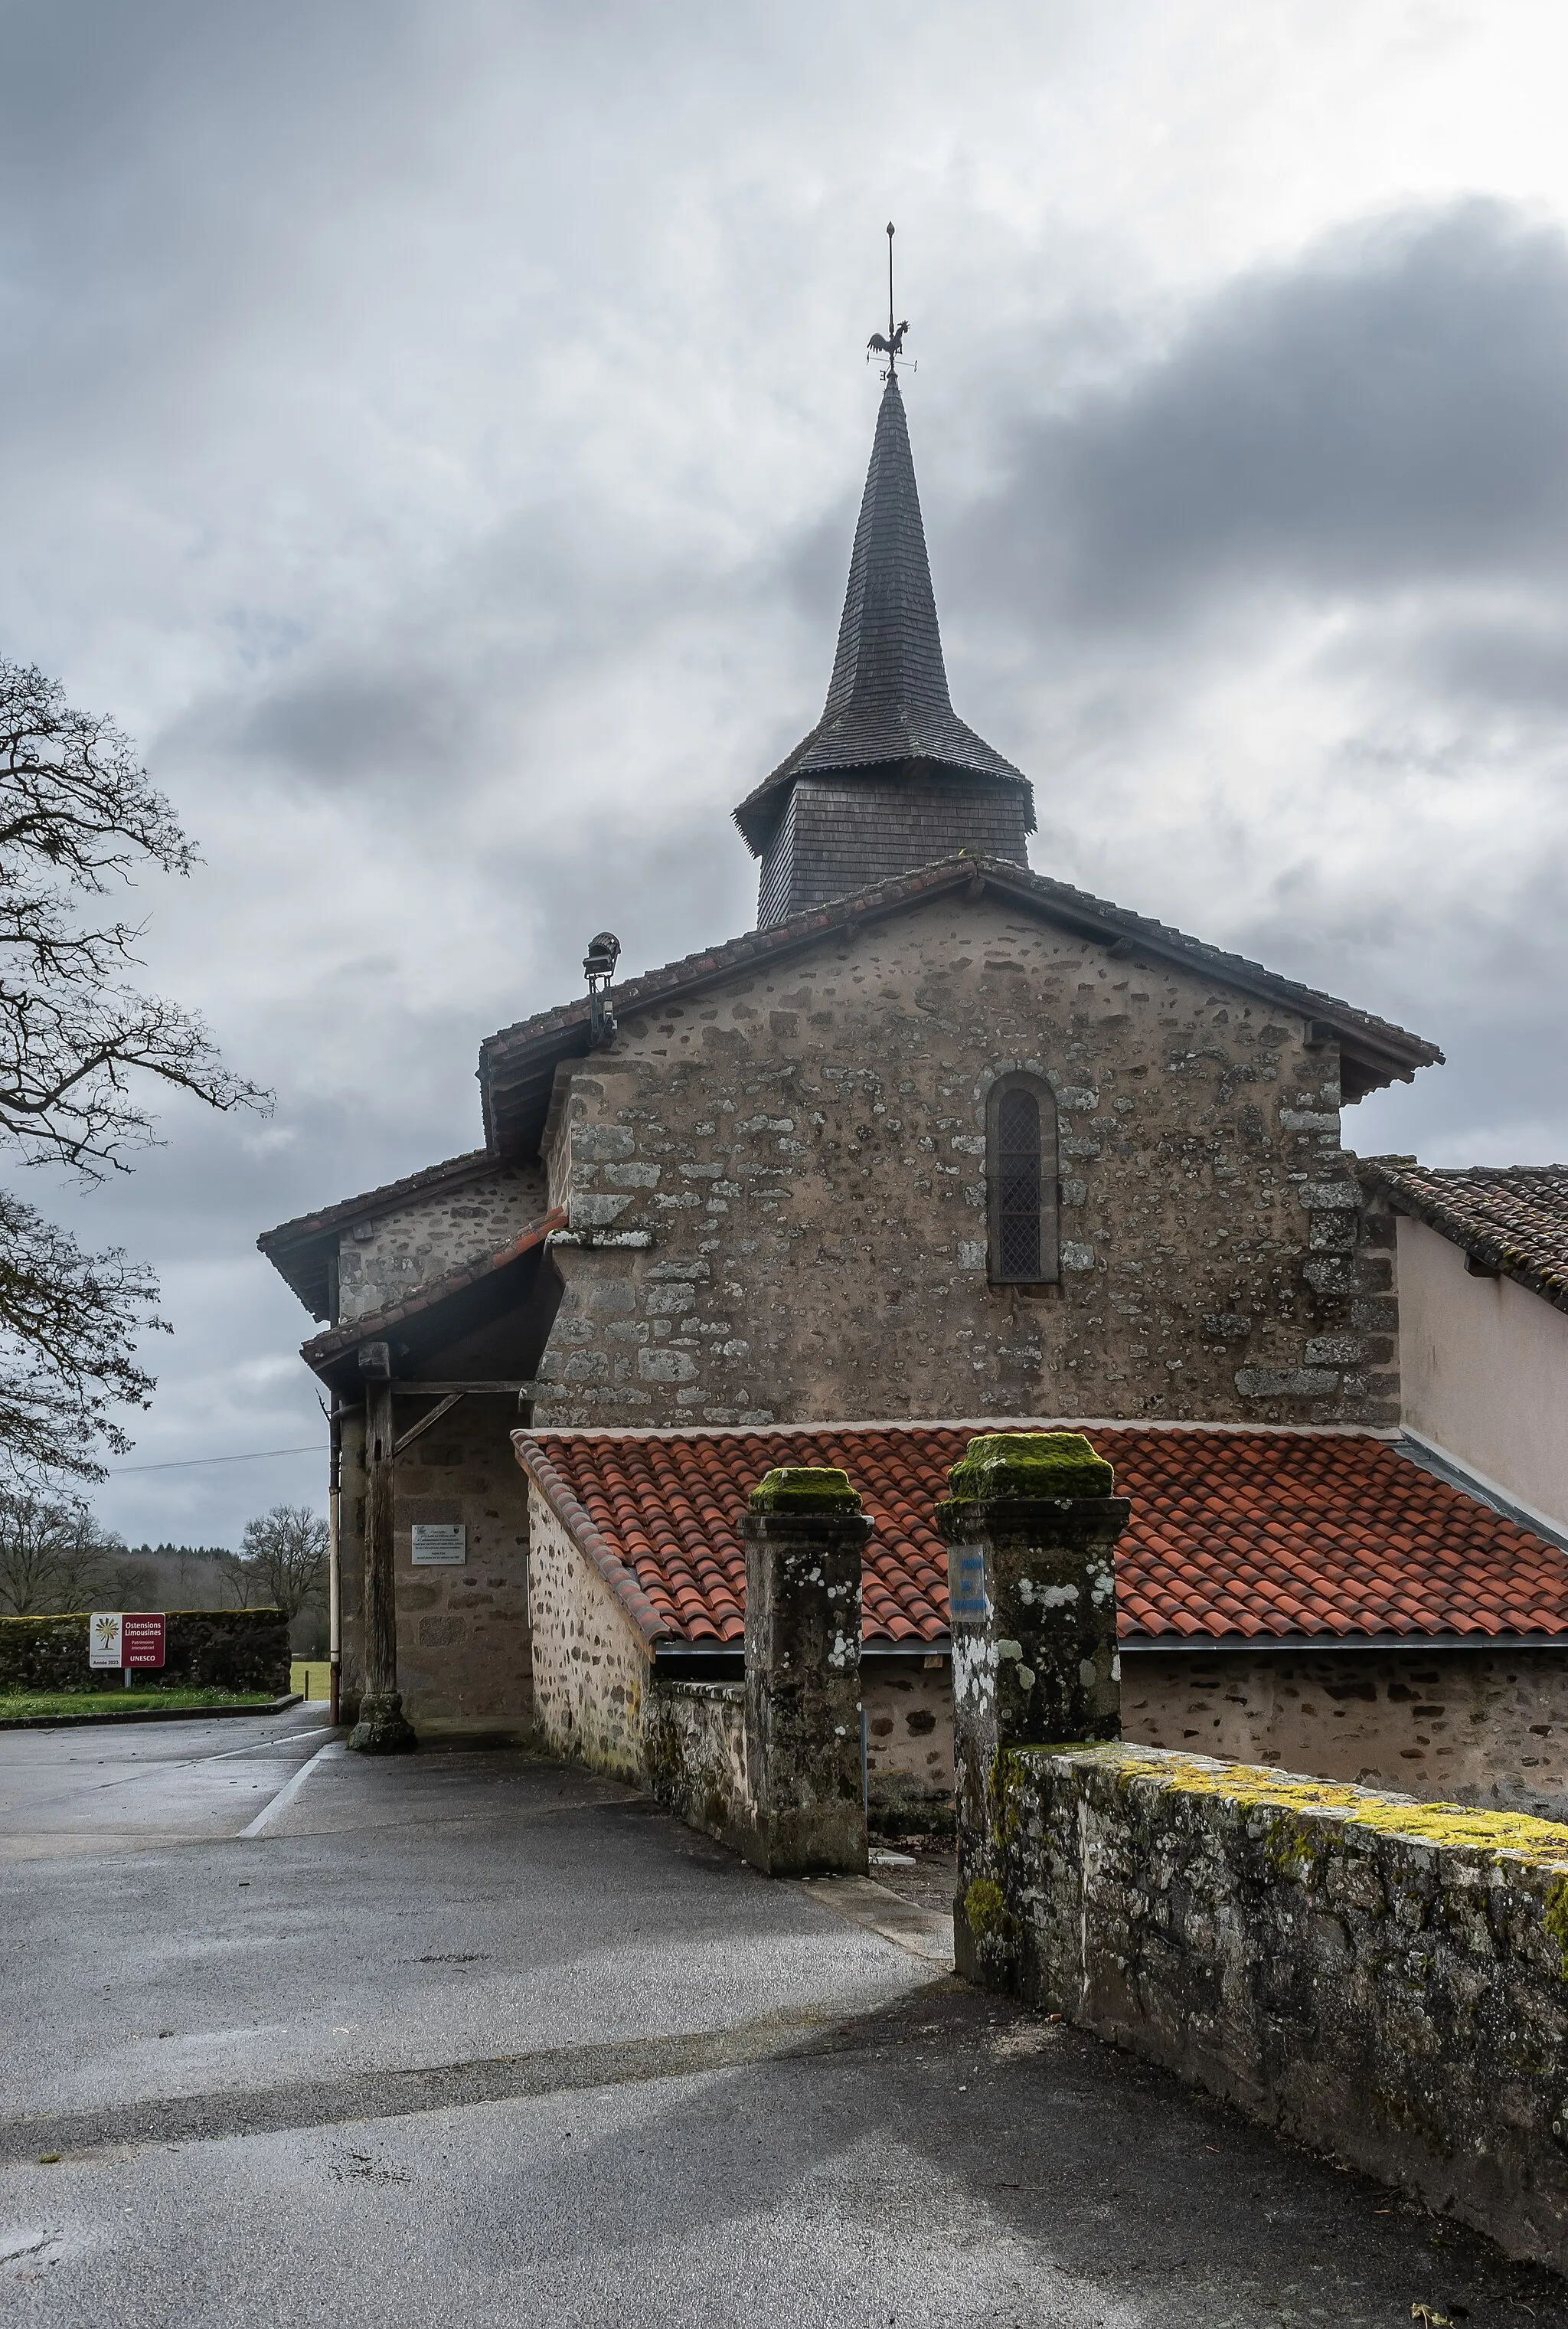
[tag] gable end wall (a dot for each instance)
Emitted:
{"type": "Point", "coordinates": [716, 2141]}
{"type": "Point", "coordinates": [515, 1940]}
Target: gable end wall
{"type": "Point", "coordinates": [796, 1160]}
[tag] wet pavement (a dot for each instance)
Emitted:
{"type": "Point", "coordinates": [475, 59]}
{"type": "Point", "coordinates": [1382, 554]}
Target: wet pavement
{"type": "Point", "coordinates": [474, 2038]}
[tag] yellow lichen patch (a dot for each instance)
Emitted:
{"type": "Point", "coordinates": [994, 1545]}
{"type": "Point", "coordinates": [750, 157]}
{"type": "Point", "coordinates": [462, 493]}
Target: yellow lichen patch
{"type": "Point", "coordinates": [1544, 1842]}
{"type": "Point", "coordinates": [1556, 1918]}
{"type": "Point", "coordinates": [985, 1909]}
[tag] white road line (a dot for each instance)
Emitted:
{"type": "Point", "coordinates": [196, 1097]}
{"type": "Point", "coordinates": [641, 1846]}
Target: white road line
{"type": "Point", "coordinates": [286, 1794]}
{"type": "Point", "coordinates": [272, 1746]}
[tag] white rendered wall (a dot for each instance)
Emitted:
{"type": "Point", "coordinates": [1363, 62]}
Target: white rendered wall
{"type": "Point", "coordinates": [1484, 1368]}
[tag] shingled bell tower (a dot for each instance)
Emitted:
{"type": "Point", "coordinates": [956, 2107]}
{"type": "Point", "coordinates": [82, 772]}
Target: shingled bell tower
{"type": "Point", "coordinates": [890, 778]}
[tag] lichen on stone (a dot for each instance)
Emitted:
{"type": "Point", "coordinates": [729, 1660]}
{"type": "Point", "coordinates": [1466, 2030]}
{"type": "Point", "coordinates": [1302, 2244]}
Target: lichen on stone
{"type": "Point", "coordinates": [985, 1910]}
{"type": "Point", "coordinates": [804, 1488]}
{"type": "Point", "coordinates": [1556, 1918]}
{"type": "Point", "coordinates": [1006, 1770]}
{"type": "Point", "coordinates": [1544, 1842]}
{"type": "Point", "coordinates": [1052, 1465]}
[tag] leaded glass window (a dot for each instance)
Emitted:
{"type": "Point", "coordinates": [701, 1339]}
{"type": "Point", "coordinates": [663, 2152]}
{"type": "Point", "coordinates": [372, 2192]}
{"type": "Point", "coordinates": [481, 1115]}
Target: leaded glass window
{"type": "Point", "coordinates": [1021, 1168]}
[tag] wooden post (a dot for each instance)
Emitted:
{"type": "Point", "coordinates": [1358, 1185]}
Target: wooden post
{"type": "Point", "coordinates": [382, 1728]}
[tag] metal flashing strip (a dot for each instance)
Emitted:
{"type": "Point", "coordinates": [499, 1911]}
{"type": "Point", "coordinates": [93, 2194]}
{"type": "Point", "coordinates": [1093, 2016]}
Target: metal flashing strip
{"type": "Point", "coordinates": [1309, 1644]}
{"type": "Point", "coordinates": [672, 1651]}
{"type": "Point", "coordinates": [1427, 1457]}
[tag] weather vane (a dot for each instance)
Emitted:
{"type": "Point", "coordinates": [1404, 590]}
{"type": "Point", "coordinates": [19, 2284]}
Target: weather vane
{"type": "Point", "coordinates": [892, 347]}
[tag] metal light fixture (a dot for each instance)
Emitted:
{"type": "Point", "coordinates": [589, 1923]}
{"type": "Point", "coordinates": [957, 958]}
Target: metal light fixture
{"type": "Point", "coordinates": [598, 968]}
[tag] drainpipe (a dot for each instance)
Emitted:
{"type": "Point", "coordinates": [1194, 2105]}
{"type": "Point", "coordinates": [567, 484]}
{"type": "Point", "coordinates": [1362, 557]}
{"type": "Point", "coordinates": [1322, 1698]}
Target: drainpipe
{"type": "Point", "coordinates": [334, 1564]}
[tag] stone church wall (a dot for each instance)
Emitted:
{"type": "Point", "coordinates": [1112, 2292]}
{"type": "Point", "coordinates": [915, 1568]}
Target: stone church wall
{"type": "Point", "coordinates": [777, 1196]}
{"type": "Point", "coordinates": [908, 1740]}
{"type": "Point", "coordinates": [590, 1663]}
{"type": "Point", "coordinates": [384, 1260]}
{"type": "Point", "coordinates": [1488, 1726]}
{"type": "Point", "coordinates": [465, 1646]}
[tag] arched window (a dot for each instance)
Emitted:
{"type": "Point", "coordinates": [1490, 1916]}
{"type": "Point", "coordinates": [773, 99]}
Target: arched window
{"type": "Point", "coordinates": [1020, 1165]}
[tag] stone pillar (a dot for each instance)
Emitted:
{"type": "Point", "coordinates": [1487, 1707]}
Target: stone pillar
{"type": "Point", "coordinates": [805, 1535]}
{"type": "Point", "coordinates": [1031, 1529]}
{"type": "Point", "coordinates": [382, 1728]}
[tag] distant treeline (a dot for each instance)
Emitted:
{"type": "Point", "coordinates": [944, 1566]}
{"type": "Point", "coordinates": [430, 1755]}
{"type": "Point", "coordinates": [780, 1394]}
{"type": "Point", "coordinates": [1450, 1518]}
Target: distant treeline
{"type": "Point", "coordinates": [178, 1552]}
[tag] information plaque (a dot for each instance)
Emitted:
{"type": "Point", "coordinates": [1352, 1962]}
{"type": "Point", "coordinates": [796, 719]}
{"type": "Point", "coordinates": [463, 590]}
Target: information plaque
{"type": "Point", "coordinates": [440, 1544]}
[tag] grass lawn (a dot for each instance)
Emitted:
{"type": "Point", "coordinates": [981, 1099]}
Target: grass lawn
{"type": "Point", "coordinates": [17, 1706]}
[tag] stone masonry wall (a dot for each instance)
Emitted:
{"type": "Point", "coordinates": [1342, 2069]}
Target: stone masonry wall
{"type": "Point", "coordinates": [590, 1662]}
{"type": "Point", "coordinates": [383, 1262]}
{"type": "Point", "coordinates": [694, 1754]}
{"type": "Point", "coordinates": [1383, 1978]}
{"type": "Point", "coordinates": [908, 1740]}
{"type": "Point", "coordinates": [1486, 1726]}
{"type": "Point", "coordinates": [777, 1198]}
{"type": "Point", "coordinates": [464, 1650]}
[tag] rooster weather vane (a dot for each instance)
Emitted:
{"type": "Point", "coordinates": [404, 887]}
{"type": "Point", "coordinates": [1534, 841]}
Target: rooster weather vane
{"type": "Point", "coordinates": [892, 345]}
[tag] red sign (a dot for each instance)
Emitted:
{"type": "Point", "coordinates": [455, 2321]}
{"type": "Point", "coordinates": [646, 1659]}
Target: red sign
{"type": "Point", "coordinates": [142, 1639]}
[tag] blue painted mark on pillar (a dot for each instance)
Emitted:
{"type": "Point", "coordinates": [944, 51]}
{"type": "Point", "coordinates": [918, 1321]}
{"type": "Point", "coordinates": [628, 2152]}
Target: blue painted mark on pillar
{"type": "Point", "coordinates": [966, 1585]}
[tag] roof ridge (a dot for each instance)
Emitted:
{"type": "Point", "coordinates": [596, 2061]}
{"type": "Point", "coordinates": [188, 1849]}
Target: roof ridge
{"type": "Point", "coordinates": [1041, 888]}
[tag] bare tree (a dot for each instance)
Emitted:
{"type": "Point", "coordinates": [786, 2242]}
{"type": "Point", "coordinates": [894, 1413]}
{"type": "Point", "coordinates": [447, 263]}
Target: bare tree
{"type": "Point", "coordinates": [52, 1555]}
{"type": "Point", "coordinates": [77, 814]}
{"type": "Point", "coordinates": [283, 1562]}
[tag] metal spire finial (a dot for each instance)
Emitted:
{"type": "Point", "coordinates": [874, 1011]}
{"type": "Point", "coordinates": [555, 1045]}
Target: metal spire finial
{"type": "Point", "coordinates": [892, 347]}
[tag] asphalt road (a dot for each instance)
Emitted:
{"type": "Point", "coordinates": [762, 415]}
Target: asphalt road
{"type": "Point", "coordinates": [467, 2040]}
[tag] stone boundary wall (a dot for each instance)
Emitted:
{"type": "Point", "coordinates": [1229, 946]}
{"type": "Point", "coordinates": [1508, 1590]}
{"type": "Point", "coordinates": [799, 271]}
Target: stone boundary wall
{"type": "Point", "coordinates": [590, 1663]}
{"type": "Point", "coordinates": [205, 1649]}
{"type": "Point", "coordinates": [1486, 1726]}
{"type": "Point", "coordinates": [1386, 1979]}
{"type": "Point", "coordinates": [600, 1699]}
{"type": "Point", "coordinates": [694, 1747]}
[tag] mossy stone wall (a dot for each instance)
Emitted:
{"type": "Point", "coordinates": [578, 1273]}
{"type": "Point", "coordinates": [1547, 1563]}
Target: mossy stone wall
{"type": "Point", "coordinates": [1384, 1978]}
{"type": "Point", "coordinates": [694, 1743]}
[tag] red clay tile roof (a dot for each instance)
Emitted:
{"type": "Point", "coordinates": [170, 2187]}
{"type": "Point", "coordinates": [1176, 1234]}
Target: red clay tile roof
{"type": "Point", "coordinates": [1235, 1535]}
{"type": "Point", "coordinates": [1513, 1217]}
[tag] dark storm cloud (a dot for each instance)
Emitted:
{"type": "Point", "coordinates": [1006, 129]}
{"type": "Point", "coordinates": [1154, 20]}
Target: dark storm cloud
{"type": "Point", "coordinates": [1387, 413]}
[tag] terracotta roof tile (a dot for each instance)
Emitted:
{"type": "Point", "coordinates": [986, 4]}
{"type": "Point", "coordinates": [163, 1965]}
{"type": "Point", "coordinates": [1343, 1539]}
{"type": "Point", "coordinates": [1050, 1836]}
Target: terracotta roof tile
{"type": "Point", "coordinates": [1233, 1534]}
{"type": "Point", "coordinates": [1513, 1218]}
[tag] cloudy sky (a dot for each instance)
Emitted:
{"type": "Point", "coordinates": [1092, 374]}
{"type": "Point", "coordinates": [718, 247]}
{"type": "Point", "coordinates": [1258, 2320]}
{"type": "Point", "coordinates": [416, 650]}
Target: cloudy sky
{"type": "Point", "coordinates": [435, 432]}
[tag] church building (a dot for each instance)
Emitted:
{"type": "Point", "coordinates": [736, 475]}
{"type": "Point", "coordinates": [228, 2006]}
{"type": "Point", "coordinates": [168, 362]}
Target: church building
{"type": "Point", "coordinates": [942, 1138]}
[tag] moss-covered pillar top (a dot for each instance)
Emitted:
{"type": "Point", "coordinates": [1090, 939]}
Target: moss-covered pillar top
{"type": "Point", "coordinates": [1031, 1528]}
{"type": "Point", "coordinates": [804, 1536]}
